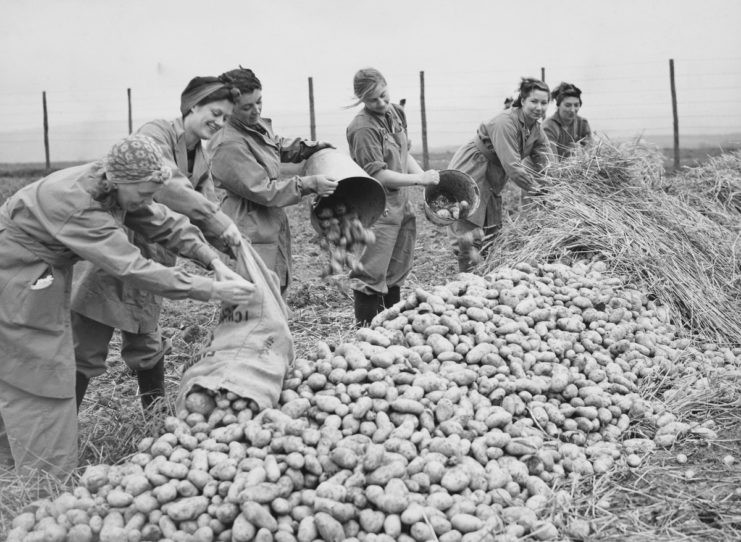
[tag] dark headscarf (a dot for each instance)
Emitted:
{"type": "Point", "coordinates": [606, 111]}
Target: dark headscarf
{"type": "Point", "coordinates": [566, 90]}
{"type": "Point", "coordinates": [200, 88]}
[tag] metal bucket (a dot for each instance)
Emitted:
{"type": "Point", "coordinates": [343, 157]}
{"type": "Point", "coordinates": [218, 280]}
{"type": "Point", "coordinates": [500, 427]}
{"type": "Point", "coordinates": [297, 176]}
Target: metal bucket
{"type": "Point", "coordinates": [456, 186]}
{"type": "Point", "coordinates": [357, 190]}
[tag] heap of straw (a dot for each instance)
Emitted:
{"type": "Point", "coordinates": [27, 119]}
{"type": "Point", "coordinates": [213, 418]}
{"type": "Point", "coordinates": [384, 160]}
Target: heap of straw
{"type": "Point", "coordinates": [714, 188]}
{"type": "Point", "coordinates": [610, 203]}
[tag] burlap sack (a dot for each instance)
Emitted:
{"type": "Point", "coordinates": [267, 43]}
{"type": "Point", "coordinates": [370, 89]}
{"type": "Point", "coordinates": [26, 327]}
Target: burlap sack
{"type": "Point", "coordinates": [251, 347]}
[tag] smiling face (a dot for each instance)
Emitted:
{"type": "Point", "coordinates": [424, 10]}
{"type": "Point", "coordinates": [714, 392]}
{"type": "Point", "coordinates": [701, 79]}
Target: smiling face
{"type": "Point", "coordinates": [569, 108]}
{"type": "Point", "coordinates": [378, 101]}
{"type": "Point", "coordinates": [249, 108]}
{"type": "Point", "coordinates": [207, 119]}
{"type": "Point", "coordinates": [534, 106]}
{"type": "Point", "coordinates": [133, 196]}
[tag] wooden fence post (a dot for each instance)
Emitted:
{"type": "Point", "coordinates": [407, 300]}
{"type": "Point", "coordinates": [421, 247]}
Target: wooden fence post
{"type": "Point", "coordinates": [542, 74]}
{"type": "Point", "coordinates": [674, 113]}
{"type": "Point", "coordinates": [425, 152]}
{"type": "Point", "coordinates": [46, 132]}
{"type": "Point", "coordinates": [312, 118]}
{"type": "Point", "coordinates": [131, 126]}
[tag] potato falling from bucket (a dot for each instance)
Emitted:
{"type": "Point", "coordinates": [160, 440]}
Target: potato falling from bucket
{"type": "Point", "coordinates": [343, 220]}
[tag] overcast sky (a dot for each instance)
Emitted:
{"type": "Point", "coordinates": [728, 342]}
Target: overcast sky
{"type": "Point", "coordinates": [86, 53]}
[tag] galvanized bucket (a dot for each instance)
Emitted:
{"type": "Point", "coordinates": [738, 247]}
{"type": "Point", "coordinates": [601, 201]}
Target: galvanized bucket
{"type": "Point", "coordinates": [356, 190]}
{"type": "Point", "coordinates": [456, 186]}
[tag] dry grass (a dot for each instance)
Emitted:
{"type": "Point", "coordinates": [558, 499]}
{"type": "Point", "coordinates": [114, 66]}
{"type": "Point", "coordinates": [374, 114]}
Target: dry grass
{"type": "Point", "coordinates": [611, 204]}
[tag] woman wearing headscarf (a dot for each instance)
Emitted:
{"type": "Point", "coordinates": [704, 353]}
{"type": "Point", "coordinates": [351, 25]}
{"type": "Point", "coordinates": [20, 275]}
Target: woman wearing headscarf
{"type": "Point", "coordinates": [102, 303]}
{"type": "Point", "coordinates": [378, 142]}
{"type": "Point", "coordinates": [495, 156]}
{"type": "Point", "coordinates": [247, 155]}
{"type": "Point", "coordinates": [565, 129]}
{"type": "Point", "coordinates": [81, 213]}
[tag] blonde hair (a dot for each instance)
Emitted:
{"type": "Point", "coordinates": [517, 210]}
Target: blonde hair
{"type": "Point", "coordinates": [365, 82]}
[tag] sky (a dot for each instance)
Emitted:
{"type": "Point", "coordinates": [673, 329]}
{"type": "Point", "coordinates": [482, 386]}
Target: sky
{"type": "Point", "coordinates": [86, 53]}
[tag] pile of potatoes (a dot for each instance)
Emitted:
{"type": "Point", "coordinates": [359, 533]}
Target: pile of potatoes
{"type": "Point", "coordinates": [454, 417]}
{"type": "Point", "coordinates": [448, 209]}
{"type": "Point", "coordinates": [343, 237]}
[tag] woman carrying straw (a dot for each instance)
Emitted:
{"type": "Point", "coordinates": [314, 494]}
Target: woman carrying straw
{"type": "Point", "coordinates": [102, 303]}
{"type": "Point", "coordinates": [494, 156]}
{"type": "Point", "coordinates": [378, 142]}
{"type": "Point", "coordinates": [80, 213]}
{"type": "Point", "coordinates": [566, 130]}
{"type": "Point", "coordinates": [247, 155]}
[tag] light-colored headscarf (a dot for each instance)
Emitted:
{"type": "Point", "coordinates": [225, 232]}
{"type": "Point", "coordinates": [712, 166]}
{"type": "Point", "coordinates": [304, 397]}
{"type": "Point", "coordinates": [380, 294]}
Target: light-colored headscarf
{"type": "Point", "coordinates": [136, 159]}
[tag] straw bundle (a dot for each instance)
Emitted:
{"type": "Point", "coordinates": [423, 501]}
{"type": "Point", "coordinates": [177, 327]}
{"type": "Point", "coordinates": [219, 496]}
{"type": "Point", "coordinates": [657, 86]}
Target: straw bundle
{"type": "Point", "coordinates": [609, 203]}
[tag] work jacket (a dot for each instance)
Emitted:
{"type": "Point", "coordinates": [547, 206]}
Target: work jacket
{"type": "Point", "coordinates": [45, 228]}
{"type": "Point", "coordinates": [246, 164]}
{"type": "Point", "coordinates": [565, 138]}
{"type": "Point", "coordinates": [106, 299]}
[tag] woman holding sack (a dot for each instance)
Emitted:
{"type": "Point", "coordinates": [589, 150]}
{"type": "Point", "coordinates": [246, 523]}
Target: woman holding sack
{"type": "Point", "coordinates": [247, 155]}
{"type": "Point", "coordinates": [378, 142]}
{"type": "Point", "coordinates": [494, 156]}
{"type": "Point", "coordinates": [81, 213]}
{"type": "Point", "coordinates": [102, 303]}
{"type": "Point", "coordinates": [565, 129]}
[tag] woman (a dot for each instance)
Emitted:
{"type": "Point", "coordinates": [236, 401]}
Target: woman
{"type": "Point", "coordinates": [565, 129]}
{"type": "Point", "coordinates": [73, 214]}
{"type": "Point", "coordinates": [101, 303]}
{"type": "Point", "coordinates": [247, 155]}
{"type": "Point", "coordinates": [378, 142]}
{"type": "Point", "coordinates": [494, 156]}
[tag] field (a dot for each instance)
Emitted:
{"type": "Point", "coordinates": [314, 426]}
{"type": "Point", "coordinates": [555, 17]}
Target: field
{"type": "Point", "coordinates": [685, 492]}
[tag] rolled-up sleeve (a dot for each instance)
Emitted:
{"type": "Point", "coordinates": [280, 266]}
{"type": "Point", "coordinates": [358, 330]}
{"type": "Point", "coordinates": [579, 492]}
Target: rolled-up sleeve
{"type": "Point", "coordinates": [366, 148]}
{"type": "Point", "coordinates": [236, 169]}
{"type": "Point", "coordinates": [95, 236]}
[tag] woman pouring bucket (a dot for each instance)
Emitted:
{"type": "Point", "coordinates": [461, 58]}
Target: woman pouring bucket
{"type": "Point", "coordinates": [378, 142]}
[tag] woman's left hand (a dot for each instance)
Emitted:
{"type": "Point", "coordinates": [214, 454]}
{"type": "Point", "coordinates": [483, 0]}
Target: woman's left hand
{"type": "Point", "coordinates": [231, 235]}
{"type": "Point", "coordinates": [223, 271]}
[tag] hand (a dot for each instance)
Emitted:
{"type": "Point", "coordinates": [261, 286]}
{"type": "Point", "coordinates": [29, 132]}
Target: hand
{"type": "Point", "coordinates": [320, 184]}
{"type": "Point", "coordinates": [223, 271]}
{"type": "Point", "coordinates": [233, 291]}
{"type": "Point", "coordinates": [231, 235]}
{"type": "Point", "coordinates": [320, 145]}
{"type": "Point", "coordinates": [430, 177]}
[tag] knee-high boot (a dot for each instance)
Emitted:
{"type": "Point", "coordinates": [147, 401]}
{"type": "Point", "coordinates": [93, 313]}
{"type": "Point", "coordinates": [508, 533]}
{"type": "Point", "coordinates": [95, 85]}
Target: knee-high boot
{"type": "Point", "coordinates": [151, 383]}
{"type": "Point", "coordinates": [392, 297]}
{"type": "Point", "coordinates": [366, 307]}
{"type": "Point", "coordinates": [81, 382]}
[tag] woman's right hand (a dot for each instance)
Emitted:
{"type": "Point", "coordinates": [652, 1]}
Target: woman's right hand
{"type": "Point", "coordinates": [320, 184]}
{"type": "Point", "coordinates": [236, 291]}
{"type": "Point", "coordinates": [430, 177]}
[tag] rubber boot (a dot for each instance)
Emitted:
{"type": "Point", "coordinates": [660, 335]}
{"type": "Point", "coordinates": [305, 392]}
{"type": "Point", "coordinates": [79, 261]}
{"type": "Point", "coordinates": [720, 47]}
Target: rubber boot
{"type": "Point", "coordinates": [392, 297]}
{"type": "Point", "coordinates": [81, 382]}
{"type": "Point", "coordinates": [151, 383]}
{"type": "Point", "coordinates": [366, 307]}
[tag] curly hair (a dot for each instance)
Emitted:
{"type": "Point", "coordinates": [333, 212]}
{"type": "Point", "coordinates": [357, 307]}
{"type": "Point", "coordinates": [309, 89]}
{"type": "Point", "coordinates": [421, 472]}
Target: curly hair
{"type": "Point", "coordinates": [566, 90]}
{"type": "Point", "coordinates": [528, 85]}
{"type": "Point", "coordinates": [244, 79]}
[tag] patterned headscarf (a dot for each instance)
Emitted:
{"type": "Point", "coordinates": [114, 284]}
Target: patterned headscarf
{"type": "Point", "coordinates": [136, 159]}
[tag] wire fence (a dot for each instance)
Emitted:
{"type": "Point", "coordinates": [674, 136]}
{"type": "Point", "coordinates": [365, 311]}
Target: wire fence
{"type": "Point", "coordinates": [620, 100]}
